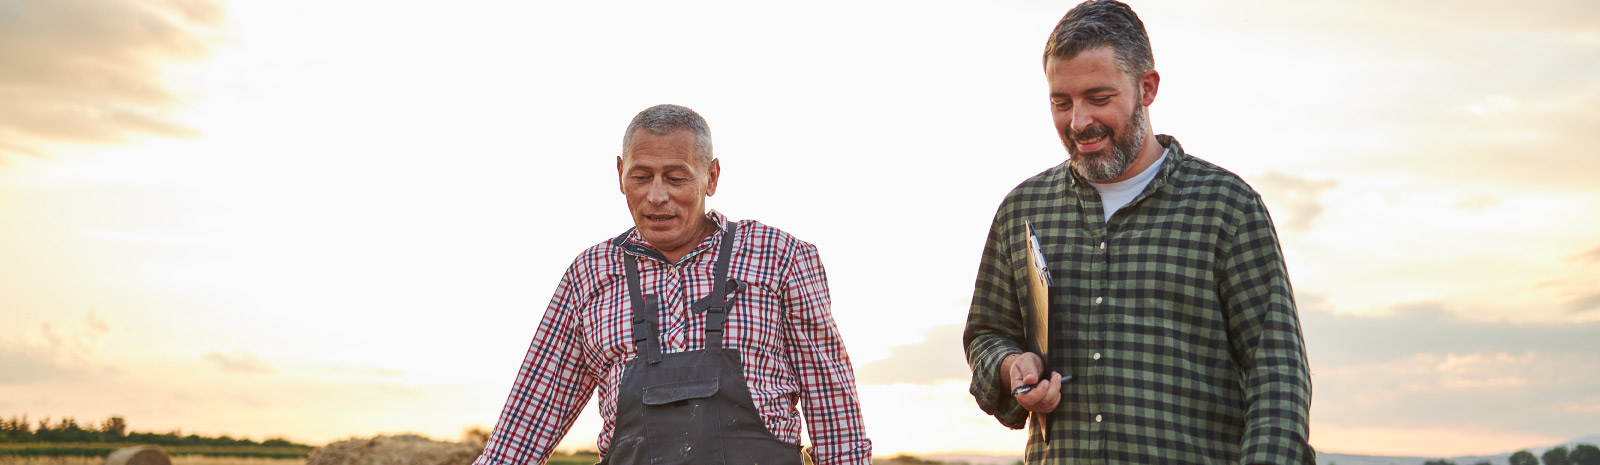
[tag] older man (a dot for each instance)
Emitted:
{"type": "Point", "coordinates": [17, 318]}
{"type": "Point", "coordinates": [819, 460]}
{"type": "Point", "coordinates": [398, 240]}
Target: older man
{"type": "Point", "coordinates": [1173, 332]}
{"type": "Point", "coordinates": [703, 335]}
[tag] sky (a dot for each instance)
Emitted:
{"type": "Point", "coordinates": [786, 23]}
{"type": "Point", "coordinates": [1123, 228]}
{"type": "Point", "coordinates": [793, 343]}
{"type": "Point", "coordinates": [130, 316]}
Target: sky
{"type": "Point", "coordinates": [340, 218]}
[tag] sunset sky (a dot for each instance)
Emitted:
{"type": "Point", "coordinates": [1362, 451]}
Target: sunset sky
{"type": "Point", "coordinates": [338, 218]}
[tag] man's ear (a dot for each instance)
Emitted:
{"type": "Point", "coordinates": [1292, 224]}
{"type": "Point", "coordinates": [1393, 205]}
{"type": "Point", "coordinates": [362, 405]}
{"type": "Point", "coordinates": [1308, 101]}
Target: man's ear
{"type": "Point", "coordinates": [711, 177]}
{"type": "Point", "coordinates": [1148, 84]}
{"type": "Point", "coordinates": [619, 176]}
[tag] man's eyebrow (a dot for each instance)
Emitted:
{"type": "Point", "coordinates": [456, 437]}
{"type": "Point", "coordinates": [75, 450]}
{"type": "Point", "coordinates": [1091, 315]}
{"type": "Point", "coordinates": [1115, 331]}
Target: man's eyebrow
{"type": "Point", "coordinates": [666, 167]}
{"type": "Point", "coordinates": [1100, 90]}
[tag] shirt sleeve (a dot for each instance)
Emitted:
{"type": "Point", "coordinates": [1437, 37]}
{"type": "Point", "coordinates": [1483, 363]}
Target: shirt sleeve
{"type": "Point", "coordinates": [1265, 340]}
{"type": "Point", "coordinates": [817, 353]}
{"type": "Point", "coordinates": [993, 328]}
{"type": "Point", "coordinates": [550, 390]}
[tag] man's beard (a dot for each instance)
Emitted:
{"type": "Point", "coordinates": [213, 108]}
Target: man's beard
{"type": "Point", "coordinates": [1125, 144]}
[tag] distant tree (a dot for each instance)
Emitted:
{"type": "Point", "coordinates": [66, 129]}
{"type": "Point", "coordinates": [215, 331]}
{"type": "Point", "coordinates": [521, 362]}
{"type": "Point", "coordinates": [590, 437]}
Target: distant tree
{"type": "Point", "coordinates": [16, 429]}
{"type": "Point", "coordinates": [1484, 462]}
{"type": "Point", "coordinates": [115, 429]}
{"type": "Point", "coordinates": [1556, 456]}
{"type": "Point", "coordinates": [1584, 454]}
{"type": "Point", "coordinates": [1523, 457]}
{"type": "Point", "coordinates": [1438, 462]}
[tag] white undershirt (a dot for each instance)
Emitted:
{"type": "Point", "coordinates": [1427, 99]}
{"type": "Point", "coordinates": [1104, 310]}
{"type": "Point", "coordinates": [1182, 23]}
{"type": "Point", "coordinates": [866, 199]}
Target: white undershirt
{"type": "Point", "coordinates": [1114, 196]}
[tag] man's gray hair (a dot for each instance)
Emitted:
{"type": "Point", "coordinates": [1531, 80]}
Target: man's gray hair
{"type": "Point", "coordinates": [1098, 23]}
{"type": "Point", "coordinates": [665, 119]}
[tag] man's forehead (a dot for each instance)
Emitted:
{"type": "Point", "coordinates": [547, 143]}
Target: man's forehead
{"type": "Point", "coordinates": [1093, 69]}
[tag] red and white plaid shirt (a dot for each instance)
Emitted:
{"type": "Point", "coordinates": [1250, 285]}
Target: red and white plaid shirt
{"type": "Point", "coordinates": [781, 324]}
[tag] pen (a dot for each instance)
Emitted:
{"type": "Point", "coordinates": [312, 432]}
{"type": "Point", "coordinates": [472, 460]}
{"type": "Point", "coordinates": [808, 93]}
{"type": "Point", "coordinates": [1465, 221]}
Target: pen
{"type": "Point", "coordinates": [1023, 389]}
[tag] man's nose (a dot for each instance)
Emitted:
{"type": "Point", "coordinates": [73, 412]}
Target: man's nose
{"type": "Point", "coordinates": [1081, 119]}
{"type": "Point", "coordinates": [658, 191]}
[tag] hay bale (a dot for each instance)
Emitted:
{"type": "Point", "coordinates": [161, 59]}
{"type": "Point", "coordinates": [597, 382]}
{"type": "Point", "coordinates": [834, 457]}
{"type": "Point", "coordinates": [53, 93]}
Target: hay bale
{"type": "Point", "coordinates": [138, 455]}
{"type": "Point", "coordinates": [395, 450]}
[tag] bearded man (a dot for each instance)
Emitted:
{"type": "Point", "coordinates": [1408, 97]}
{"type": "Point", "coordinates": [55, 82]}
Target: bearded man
{"type": "Point", "coordinates": [1173, 334]}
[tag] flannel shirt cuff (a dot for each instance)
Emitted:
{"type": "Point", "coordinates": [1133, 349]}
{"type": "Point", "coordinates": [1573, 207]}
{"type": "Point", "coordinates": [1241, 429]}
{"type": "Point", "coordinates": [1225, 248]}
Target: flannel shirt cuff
{"type": "Point", "coordinates": [1273, 445]}
{"type": "Point", "coordinates": [989, 388]}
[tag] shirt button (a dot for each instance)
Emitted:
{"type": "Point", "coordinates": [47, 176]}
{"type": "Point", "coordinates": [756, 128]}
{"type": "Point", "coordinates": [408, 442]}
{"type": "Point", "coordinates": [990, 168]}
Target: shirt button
{"type": "Point", "coordinates": [1099, 299]}
{"type": "Point", "coordinates": [1096, 355]}
{"type": "Point", "coordinates": [1096, 418]}
{"type": "Point", "coordinates": [1102, 246]}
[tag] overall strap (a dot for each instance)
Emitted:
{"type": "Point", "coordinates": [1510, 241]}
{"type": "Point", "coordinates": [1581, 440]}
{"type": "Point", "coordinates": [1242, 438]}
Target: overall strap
{"type": "Point", "coordinates": [646, 337]}
{"type": "Point", "coordinates": [716, 304]}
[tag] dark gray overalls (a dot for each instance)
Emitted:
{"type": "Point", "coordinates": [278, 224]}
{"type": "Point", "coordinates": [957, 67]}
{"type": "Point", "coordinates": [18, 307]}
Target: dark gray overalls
{"type": "Point", "coordinates": [689, 407]}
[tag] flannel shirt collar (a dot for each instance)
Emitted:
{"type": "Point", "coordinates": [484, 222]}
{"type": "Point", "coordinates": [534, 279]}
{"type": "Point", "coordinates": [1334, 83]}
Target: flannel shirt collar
{"type": "Point", "coordinates": [1175, 157]}
{"type": "Point", "coordinates": [633, 243]}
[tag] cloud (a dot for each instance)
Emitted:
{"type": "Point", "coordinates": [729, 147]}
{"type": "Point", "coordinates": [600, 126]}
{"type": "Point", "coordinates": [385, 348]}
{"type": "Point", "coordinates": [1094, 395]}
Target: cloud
{"type": "Point", "coordinates": [1431, 328]}
{"type": "Point", "coordinates": [1476, 204]}
{"type": "Point", "coordinates": [1423, 366]}
{"type": "Point", "coordinates": [1294, 199]}
{"type": "Point", "coordinates": [52, 355]}
{"type": "Point", "coordinates": [22, 362]}
{"type": "Point", "coordinates": [939, 357]}
{"type": "Point", "coordinates": [1585, 303]}
{"type": "Point", "coordinates": [90, 71]}
{"type": "Point", "coordinates": [1592, 256]}
{"type": "Point", "coordinates": [238, 362]}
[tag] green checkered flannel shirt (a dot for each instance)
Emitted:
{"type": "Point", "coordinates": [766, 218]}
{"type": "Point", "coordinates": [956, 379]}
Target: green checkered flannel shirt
{"type": "Point", "coordinates": [1175, 320]}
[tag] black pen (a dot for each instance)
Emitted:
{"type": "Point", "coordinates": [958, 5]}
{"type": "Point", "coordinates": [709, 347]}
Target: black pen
{"type": "Point", "coordinates": [1023, 389]}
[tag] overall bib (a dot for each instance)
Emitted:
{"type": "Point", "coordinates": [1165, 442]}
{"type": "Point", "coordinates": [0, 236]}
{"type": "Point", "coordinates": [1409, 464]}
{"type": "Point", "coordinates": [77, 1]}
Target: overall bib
{"type": "Point", "coordinates": [689, 407]}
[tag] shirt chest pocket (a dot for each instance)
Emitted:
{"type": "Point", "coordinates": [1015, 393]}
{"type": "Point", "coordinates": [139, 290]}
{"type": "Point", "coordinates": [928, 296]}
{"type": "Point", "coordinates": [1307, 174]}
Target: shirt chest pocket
{"type": "Point", "coordinates": [755, 317]}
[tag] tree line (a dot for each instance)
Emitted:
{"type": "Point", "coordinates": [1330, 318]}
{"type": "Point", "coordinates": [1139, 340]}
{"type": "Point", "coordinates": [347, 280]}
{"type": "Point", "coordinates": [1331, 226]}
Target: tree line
{"type": "Point", "coordinates": [1581, 454]}
{"type": "Point", "coordinates": [114, 430]}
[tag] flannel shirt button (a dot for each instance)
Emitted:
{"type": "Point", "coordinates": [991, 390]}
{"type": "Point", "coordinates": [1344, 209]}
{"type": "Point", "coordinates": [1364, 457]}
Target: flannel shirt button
{"type": "Point", "coordinates": [1096, 418]}
{"type": "Point", "coordinates": [1102, 246]}
{"type": "Point", "coordinates": [1099, 299]}
{"type": "Point", "coordinates": [1096, 355]}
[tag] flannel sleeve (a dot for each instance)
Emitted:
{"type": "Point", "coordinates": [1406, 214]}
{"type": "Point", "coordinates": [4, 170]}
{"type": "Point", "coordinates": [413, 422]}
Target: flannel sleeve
{"type": "Point", "coordinates": [994, 327]}
{"type": "Point", "coordinates": [817, 353]}
{"type": "Point", "coordinates": [1265, 340]}
{"type": "Point", "coordinates": [550, 390]}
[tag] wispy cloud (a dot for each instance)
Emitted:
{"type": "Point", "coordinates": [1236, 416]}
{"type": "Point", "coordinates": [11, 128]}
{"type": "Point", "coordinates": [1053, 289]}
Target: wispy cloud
{"type": "Point", "coordinates": [1592, 256]}
{"type": "Point", "coordinates": [238, 362]}
{"type": "Point", "coordinates": [1425, 366]}
{"type": "Point", "coordinates": [1585, 304]}
{"type": "Point", "coordinates": [937, 358]}
{"type": "Point", "coordinates": [90, 71]}
{"type": "Point", "coordinates": [1294, 200]}
{"type": "Point", "coordinates": [50, 354]}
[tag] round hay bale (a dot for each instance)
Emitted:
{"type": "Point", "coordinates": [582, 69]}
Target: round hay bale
{"type": "Point", "coordinates": [138, 455]}
{"type": "Point", "coordinates": [395, 450]}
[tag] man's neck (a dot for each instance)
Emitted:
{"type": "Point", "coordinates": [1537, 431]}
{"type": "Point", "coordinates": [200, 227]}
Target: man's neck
{"type": "Point", "coordinates": [707, 227]}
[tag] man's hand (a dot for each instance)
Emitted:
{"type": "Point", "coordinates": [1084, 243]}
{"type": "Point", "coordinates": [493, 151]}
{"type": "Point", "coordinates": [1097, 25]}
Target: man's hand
{"type": "Point", "coordinates": [1026, 368]}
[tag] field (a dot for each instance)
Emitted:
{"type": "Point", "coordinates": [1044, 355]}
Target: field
{"type": "Point", "coordinates": [179, 460]}
{"type": "Point", "coordinates": [101, 449]}
{"type": "Point", "coordinates": [36, 453]}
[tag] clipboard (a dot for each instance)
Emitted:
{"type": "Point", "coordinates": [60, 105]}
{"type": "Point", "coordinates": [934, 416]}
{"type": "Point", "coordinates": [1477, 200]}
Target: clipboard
{"type": "Point", "coordinates": [1038, 314]}
{"type": "Point", "coordinates": [1039, 282]}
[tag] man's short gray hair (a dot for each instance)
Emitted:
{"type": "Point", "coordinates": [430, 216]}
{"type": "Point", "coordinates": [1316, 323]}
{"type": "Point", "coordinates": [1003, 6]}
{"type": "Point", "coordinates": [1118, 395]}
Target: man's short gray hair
{"type": "Point", "coordinates": [665, 119]}
{"type": "Point", "coordinates": [1098, 23]}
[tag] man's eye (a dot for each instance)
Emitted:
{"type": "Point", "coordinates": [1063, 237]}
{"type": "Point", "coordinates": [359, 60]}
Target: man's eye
{"type": "Point", "coordinates": [1100, 100]}
{"type": "Point", "coordinates": [678, 180]}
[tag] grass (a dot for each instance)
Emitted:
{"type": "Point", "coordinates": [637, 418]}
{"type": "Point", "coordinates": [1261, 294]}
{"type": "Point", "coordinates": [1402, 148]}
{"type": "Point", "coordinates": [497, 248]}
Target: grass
{"type": "Point", "coordinates": [100, 450]}
{"type": "Point", "coordinates": [180, 460]}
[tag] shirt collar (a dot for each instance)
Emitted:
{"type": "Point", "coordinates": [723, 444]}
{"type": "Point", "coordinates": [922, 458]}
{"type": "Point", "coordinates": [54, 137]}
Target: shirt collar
{"type": "Point", "coordinates": [1174, 157]}
{"type": "Point", "coordinates": [632, 242]}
